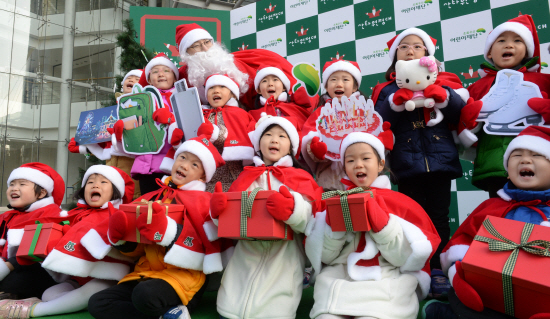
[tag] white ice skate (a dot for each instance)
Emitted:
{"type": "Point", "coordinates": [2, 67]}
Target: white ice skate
{"type": "Point", "coordinates": [500, 93]}
{"type": "Point", "coordinates": [515, 115]}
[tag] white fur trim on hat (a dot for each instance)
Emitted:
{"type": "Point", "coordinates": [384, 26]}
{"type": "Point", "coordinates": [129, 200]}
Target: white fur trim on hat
{"type": "Point", "coordinates": [412, 31]}
{"type": "Point", "coordinates": [161, 61]}
{"type": "Point", "coordinates": [271, 71]}
{"type": "Point", "coordinates": [343, 66]}
{"type": "Point", "coordinates": [192, 37]}
{"type": "Point", "coordinates": [109, 173]}
{"type": "Point", "coordinates": [515, 27]}
{"type": "Point", "coordinates": [135, 72]}
{"type": "Point", "coordinates": [361, 137]}
{"type": "Point", "coordinates": [267, 120]}
{"type": "Point", "coordinates": [34, 176]}
{"type": "Point", "coordinates": [528, 142]}
{"type": "Point", "coordinates": [222, 80]}
{"type": "Point", "coordinates": [203, 153]}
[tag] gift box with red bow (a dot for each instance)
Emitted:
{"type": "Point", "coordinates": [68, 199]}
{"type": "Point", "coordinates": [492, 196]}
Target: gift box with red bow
{"type": "Point", "coordinates": [39, 240]}
{"type": "Point", "coordinates": [507, 266]}
{"type": "Point", "coordinates": [246, 217]}
{"type": "Point", "coordinates": [135, 209]}
{"type": "Point", "coordinates": [347, 210]}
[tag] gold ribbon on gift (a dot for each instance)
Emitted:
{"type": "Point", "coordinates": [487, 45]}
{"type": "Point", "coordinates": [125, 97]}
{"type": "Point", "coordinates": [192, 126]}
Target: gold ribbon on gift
{"type": "Point", "coordinates": [149, 214]}
{"type": "Point", "coordinates": [535, 247]}
{"type": "Point", "coordinates": [344, 202]}
{"type": "Point", "coordinates": [246, 212]}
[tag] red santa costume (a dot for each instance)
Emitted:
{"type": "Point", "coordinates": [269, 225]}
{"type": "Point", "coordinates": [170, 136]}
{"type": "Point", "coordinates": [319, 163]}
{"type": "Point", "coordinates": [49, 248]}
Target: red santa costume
{"type": "Point", "coordinates": [264, 278]}
{"type": "Point", "coordinates": [375, 273]}
{"type": "Point", "coordinates": [72, 255]}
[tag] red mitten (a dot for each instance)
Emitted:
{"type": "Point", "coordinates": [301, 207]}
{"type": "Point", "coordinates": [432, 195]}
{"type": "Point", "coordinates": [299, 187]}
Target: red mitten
{"type": "Point", "coordinates": [465, 293]}
{"type": "Point", "coordinates": [65, 229]}
{"type": "Point", "coordinates": [467, 123]}
{"type": "Point", "coordinates": [218, 202]}
{"type": "Point", "coordinates": [177, 136]}
{"type": "Point", "coordinates": [318, 148]}
{"type": "Point", "coordinates": [73, 146]}
{"type": "Point", "coordinates": [163, 116]}
{"type": "Point", "coordinates": [541, 106]}
{"type": "Point", "coordinates": [377, 217]}
{"type": "Point", "coordinates": [540, 316]}
{"type": "Point", "coordinates": [118, 224]}
{"type": "Point", "coordinates": [436, 92]}
{"type": "Point", "coordinates": [281, 204]}
{"type": "Point", "coordinates": [401, 96]}
{"type": "Point", "coordinates": [156, 230]}
{"type": "Point", "coordinates": [386, 136]}
{"type": "Point", "coordinates": [117, 130]}
{"type": "Point", "coordinates": [205, 128]}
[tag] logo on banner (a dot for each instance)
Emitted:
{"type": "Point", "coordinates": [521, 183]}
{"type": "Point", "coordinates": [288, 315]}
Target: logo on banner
{"type": "Point", "coordinates": [242, 47]}
{"type": "Point", "coordinates": [243, 21]}
{"type": "Point", "coordinates": [306, 76]}
{"type": "Point", "coordinates": [420, 5]}
{"type": "Point", "coordinates": [174, 55]}
{"type": "Point", "coordinates": [469, 35]}
{"type": "Point", "coordinates": [337, 26]}
{"type": "Point", "coordinates": [338, 57]}
{"type": "Point", "coordinates": [471, 74]}
{"type": "Point", "coordinates": [271, 43]}
{"type": "Point", "coordinates": [543, 65]}
{"type": "Point", "coordinates": [299, 3]}
{"type": "Point", "coordinates": [376, 54]}
{"type": "Point", "coordinates": [271, 14]}
{"type": "Point", "coordinates": [270, 8]}
{"type": "Point", "coordinates": [302, 32]}
{"type": "Point", "coordinates": [375, 13]}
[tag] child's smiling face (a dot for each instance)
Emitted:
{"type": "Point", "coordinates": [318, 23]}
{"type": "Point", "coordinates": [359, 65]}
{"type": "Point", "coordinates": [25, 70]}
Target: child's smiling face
{"type": "Point", "coordinates": [218, 95]}
{"type": "Point", "coordinates": [271, 85]}
{"type": "Point", "coordinates": [508, 50]}
{"type": "Point", "coordinates": [21, 194]}
{"type": "Point", "coordinates": [529, 170]}
{"type": "Point", "coordinates": [340, 83]}
{"type": "Point", "coordinates": [274, 144]}
{"type": "Point", "coordinates": [187, 167]}
{"type": "Point", "coordinates": [98, 190]}
{"type": "Point", "coordinates": [361, 164]}
{"type": "Point", "coordinates": [162, 77]}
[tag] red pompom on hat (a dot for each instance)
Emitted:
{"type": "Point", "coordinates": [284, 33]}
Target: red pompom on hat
{"type": "Point", "coordinates": [159, 59]}
{"type": "Point", "coordinates": [118, 178]}
{"type": "Point", "coordinates": [187, 34]}
{"type": "Point", "coordinates": [43, 176]}
{"type": "Point", "coordinates": [223, 80]}
{"type": "Point", "coordinates": [380, 143]}
{"type": "Point", "coordinates": [205, 151]}
{"type": "Point", "coordinates": [271, 69]}
{"type": "Point", "coordinates": [429, 42]}
{"type": "Point", "coordinates": [533, 138]}
{"type": "Point", "coordinates": [524, 26]}
{"type": "Point", "coordinates": [342, 65]}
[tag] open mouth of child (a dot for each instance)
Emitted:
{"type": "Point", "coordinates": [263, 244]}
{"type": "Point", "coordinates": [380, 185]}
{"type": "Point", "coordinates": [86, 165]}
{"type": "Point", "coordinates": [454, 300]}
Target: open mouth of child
{"type": "Point", "coordinates": [526, 173]}
{"type": "Point", "coordinates": [273, 149]}
{"type": "Point", "coordinates": [14, 196]}
{"type": "Point", "coordinates": [217, 98]}
{"type": "Point", "coordinates": [95, 196]}
{"type": "Point", "coordinates": [271, 91]}
{"type": "Point", "coordinates": [180, 174]}
{"type": "Point", "coordinates": [361, 176]}
{"type": "Point", "coordinates": [339, 92]}
{"type": "Point", "coordinates": [507, 55]}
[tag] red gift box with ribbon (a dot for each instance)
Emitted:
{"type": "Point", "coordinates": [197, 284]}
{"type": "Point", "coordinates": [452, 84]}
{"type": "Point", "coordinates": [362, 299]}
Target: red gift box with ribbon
{"type": "Point", "coordinates": [352, 218]}
{"type": "Point", "coordinates": [135, 209]}
{"type": "Point", "coordinates": [507, 266]}
{"type": "Point", "coordinates": [246, 217]}
{"type": "Point", "coordinates": [39, 240]}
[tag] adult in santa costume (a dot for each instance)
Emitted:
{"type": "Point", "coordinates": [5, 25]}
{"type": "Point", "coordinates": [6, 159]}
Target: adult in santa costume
{"type": "Point", "coordinates": [21, 278]}
{"type": "Point", "coordinates": [372, 274]}
{"type": "Point", "coordinates": [264, 278]}
{"type": "Point", "coordinates": [522, 199]}
{"type": "Point", "coordinates": [176, 263]}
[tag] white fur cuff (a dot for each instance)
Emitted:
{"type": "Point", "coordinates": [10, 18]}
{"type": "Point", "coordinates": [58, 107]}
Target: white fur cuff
{"type": "Point", "coordinates": [169, 233]}
{"type": "Point", "coordinates": [451, 274]}
{"type": "Point", "coordinates": [467, 138]}
{"type": "Point", "coordinates": [82, 150]}
{"type": "Point", "coordinates": [444, 104]}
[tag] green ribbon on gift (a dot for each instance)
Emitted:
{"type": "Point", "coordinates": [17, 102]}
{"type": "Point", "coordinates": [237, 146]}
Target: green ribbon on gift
{"type": "Point", "coordinates": [344, 202]}
{"type": "Point", "coordinates": [246, 211]}
{"type": "Point", "coordinates": [34, 241]}
{"type": "Point", "coordinates": [535, 247]}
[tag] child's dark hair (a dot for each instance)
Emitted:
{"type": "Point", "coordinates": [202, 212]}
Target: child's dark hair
{"type": "Point", "coordinates": [80, 194]}
{"type": "Point", "coordinates": [38, 190]}
{"type": "Point", "coordinates": [295, 162]}
{"type": "Point", "coordinates": [323, 98]}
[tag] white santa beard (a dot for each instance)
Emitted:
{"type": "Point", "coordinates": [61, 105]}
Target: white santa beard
{"type": "Point", "coordinates": [214, 61]}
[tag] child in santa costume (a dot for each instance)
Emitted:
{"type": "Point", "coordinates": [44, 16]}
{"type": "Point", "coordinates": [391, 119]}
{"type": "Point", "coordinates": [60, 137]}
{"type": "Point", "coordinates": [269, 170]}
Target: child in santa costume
{"type": "Point", "coordinates": [340, 78]}
{"type": "Point", "coordinates": [264, 278]}
{"type": "Point", "coordinates": [104, 151]}
{"type": "Point", "coordinates": [525, 197]}
{"type": "Point", "coordinates": [35, 192]}
{"type": "Point", "coordinates": [423, 154]}
{"type": "Point", "coordinates": [161, 73]}
{"type": "Point", "coordinates": [511, 45]}
{"type": "Point", "coordinates": [101, 186]}
{"type": "Point", "coordinates": [275, 97]}
{"type": "Point", "coordinates": [171, 271]}
{"type": "Point", "coordinates": [382, 273]}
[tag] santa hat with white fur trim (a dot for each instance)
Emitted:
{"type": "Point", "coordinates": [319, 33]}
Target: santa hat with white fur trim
{"type": "Point", "coordinates": [135, 72]}
{"type": "Point", "coordinates": [533, 138]}
{"type": "Point", "coordinates": [384, 141]}
{"type": "Point", "coordinates": [524, 26]}
{"type": "Point", "coordinates": [118, 178]}
{"type": "Point", "coordinates": [429, 42]}
{"type": "Point", "coordinates": [187, 34]}
{"type": "Point", "coordinates": [43, 176]}
{"type": "Point", "coordinates": [265, 70]}
{"type": "Point", "coordinates": [205, 151]}
{"type": "Point", "coordinates": [285, 123]}
{"type": "Point", "coordinates": [351, 67]}
{"type": "Point", "coordinates": [223, 80]}
{"type": "Point", "coordinates": [161, 59]}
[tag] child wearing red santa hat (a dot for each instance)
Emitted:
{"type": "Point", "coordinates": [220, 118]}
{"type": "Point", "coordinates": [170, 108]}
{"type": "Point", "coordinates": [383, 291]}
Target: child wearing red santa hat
{"type": "Point", "coordinates": [35, 192]}
{"type": "Point", "coordinates": [176, 264]}
{"type": "Point", "coordinates": [525, 197]}
{"type": "Point", "coordinates": [381, 273]}
{"type": "Point", "coordinates": [245, 290]}
{"type": "Point", "coordinates": [102, 186]}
